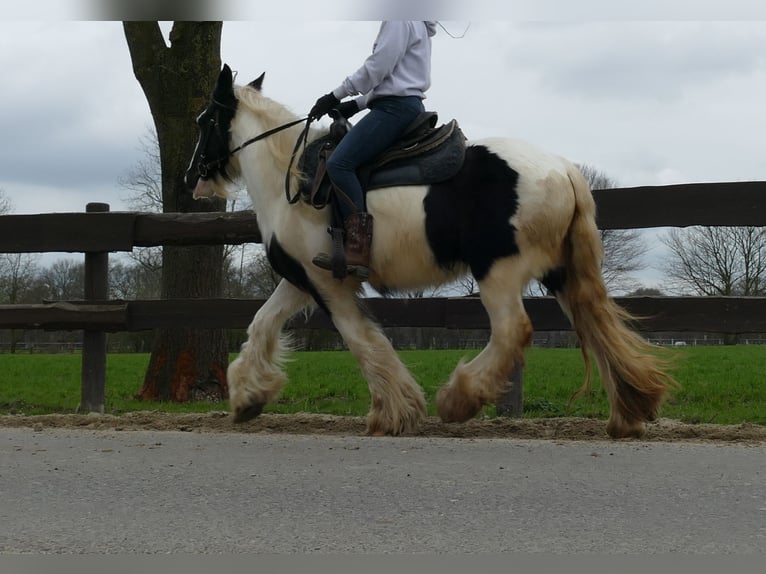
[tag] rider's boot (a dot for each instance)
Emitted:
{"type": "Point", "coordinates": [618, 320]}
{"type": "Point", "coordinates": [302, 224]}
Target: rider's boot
{"type": "Point", "coordinates": [357, 246]}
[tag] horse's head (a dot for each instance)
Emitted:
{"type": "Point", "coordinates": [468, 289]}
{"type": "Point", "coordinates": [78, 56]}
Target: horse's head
{"type": "Point", "coordinates": [213, 151]}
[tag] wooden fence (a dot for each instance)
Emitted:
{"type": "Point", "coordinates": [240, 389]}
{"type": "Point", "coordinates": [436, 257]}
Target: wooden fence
{"type": "Point", "coordinates": [98, 232]}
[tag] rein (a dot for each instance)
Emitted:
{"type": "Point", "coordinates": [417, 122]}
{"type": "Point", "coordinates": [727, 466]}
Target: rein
{"type": "Point", "coordinates": [204, 168]}
{"type": "Point", "coordinates": [302, 140]}
{"type": "Point", "coordinates": [268, 133]}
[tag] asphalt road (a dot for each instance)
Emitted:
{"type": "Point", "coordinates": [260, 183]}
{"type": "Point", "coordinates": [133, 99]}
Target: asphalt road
{"type": "Point", "coordinates": [66, 491]}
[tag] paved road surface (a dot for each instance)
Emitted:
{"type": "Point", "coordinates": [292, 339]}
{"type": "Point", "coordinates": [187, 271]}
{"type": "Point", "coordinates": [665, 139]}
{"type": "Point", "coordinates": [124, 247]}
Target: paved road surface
{"type": "Point", "coordinates": [65, 491]}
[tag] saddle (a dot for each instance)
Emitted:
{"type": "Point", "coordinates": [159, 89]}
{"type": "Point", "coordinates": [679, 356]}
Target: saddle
{"type": "Point", "coordinates": [423, 155]}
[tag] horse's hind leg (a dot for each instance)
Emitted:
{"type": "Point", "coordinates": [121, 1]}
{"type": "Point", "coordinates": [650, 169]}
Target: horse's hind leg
{"type": "Point", "coordinates": [482, 379]}
{"type": "Point", "coordinates": [397, 402]}
{"type": "Point", "coordinates": [256, 376]}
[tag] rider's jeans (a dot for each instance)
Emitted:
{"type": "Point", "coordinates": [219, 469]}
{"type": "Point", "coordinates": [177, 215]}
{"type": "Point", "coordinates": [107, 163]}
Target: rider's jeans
{"type": "Point", "coordinates": [387, 119]}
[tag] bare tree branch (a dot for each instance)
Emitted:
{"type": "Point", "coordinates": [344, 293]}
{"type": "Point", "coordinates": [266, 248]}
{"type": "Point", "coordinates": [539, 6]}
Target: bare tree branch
{"type": "Point", "coordinates": [717, 260]}
{"type": "Point", "coordinates": [6, 206]}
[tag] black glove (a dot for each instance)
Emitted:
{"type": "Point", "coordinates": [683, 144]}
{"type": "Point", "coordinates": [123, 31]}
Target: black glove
{"type": "Point", "coordinates": [323, 105]}
{"type": "Point", "coordinates": [344, 109]}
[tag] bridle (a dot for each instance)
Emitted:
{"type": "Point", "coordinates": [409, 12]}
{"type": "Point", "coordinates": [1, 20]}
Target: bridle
{"type": "Point", "coordinates": [205, 168]}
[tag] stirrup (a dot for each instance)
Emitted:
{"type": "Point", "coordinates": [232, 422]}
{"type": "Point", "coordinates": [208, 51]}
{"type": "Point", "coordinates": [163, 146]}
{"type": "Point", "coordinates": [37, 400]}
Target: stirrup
{"type": "Point", "coordinates": [359, 271]}
{"type": "Point", "coordinates": [324, 261]}
{"type": "Point", "coordinates": [335, 262]}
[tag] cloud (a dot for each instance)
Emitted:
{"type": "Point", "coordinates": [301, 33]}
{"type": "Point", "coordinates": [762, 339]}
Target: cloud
{"type": "Point", "coordinates": [30, 198]}
{"type": "Point", "coordinates": [639, 60]}
{"type": "Point", "coordinates": [72, 111]}
{"type": "Point", "coordinates": [640, 100]}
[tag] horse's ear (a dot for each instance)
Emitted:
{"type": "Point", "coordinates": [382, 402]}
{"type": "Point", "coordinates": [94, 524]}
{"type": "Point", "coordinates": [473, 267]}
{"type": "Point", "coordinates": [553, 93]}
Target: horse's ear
{"type": "Point", "coordinates": [258, 82]}
{"type": "Point", "coordinates": [225, 83]}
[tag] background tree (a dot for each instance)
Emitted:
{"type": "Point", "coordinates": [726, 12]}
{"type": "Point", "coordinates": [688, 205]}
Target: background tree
{"type": "Point", "coordinates": [647, 292]}
{"type": "Point", "coordinates": [467, 285]}
{"type": "Point", "coordinates": [717, 260]}
{"type": "Point", "coordinates": [177, 80]}
{"type": "Point", "coordinates": [17, 274]}
{"type": "Point", "coordinates": [133, 280]}
{"type": "Point", "coordinates": [143, 180]}
{"type": "Point", "coordinates": [246, 271]}
{"type": "Point", "coordinates": [64, 280]}
{"type": "Point", "coordinates": [143, 183]}
{"type": "Point", "coordinates": [5, 203]}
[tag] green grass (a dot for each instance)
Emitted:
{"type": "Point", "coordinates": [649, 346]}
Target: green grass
{"type": "Point", "coordinates": [725, 385]}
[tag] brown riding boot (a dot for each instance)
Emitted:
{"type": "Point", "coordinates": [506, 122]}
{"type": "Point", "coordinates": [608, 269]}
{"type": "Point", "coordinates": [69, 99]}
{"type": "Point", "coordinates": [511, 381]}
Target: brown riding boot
{"type": "Point", "coordinates": [358, 244]}
{"type": "Point", "coordinates": [357, 248]}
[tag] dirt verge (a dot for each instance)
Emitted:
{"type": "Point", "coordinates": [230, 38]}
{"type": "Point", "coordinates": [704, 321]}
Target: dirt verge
{"type": "Point", "coordinates": [579, 429]}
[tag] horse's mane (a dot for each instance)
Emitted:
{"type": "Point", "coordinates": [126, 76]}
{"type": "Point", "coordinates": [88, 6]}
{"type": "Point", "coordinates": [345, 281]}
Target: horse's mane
{"type": "Point", "coordinates": [271, 114]}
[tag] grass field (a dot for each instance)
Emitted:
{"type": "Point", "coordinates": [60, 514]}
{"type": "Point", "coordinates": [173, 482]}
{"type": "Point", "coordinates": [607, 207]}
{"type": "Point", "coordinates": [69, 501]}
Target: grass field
{"type": "Point", "coordinates": [724, 385]}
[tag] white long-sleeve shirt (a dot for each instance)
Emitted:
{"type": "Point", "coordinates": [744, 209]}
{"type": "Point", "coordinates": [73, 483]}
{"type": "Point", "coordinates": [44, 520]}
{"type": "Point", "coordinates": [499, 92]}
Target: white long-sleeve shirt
{"type": "Point", "coordinates": [400, 64]}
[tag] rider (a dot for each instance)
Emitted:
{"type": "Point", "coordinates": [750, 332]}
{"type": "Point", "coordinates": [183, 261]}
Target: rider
{"type": "Point", "coordinates": [392, 83]}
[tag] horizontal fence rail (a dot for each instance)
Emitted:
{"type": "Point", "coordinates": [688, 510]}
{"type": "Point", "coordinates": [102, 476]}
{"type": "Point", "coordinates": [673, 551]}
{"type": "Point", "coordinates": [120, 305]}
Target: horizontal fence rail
{"type": "Point", "coordinates": [739, 203]}
{"type": "Point", "coordinates": [99, 232]}
{"type": "Point", "coordinates": [730, 315]}
{"type": "Point", "coordinates": [122, 231]}
{"type": "Point", "coordinates": [736, 203]}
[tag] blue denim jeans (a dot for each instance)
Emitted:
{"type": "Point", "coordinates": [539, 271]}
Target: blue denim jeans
{"type": "Point", "coordinates": [372, 135]}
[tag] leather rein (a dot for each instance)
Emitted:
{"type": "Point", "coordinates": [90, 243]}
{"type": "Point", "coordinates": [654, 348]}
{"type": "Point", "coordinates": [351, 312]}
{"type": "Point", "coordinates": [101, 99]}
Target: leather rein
{"type": "Point", "coordinates": [302, 139]}
{"type": "Point", "coordinates": [270, 132]}
{"type": "Point", "coordinates": [203, 168]}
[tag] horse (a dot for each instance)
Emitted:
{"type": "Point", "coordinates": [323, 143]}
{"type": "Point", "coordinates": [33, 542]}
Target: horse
{"type": "Point", "coordinates": [512, 213]}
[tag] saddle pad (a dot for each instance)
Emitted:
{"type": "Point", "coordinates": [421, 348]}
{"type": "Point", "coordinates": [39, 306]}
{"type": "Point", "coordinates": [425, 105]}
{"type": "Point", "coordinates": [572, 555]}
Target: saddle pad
{"type": "Point", "coordinates": [432, 157]}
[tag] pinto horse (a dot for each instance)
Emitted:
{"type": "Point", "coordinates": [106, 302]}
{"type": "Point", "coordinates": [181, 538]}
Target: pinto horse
{"type": "Point", "coordinates": [511, 214]}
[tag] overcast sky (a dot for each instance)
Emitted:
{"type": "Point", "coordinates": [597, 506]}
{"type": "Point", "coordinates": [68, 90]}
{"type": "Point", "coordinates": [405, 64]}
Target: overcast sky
{"type": "Point", "coordinates": [647, 102]}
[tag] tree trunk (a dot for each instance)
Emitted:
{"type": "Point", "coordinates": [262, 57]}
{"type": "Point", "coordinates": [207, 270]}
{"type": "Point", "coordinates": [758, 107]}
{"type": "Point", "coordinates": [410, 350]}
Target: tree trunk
{"type": "Point", "coordinates": [186, 364]}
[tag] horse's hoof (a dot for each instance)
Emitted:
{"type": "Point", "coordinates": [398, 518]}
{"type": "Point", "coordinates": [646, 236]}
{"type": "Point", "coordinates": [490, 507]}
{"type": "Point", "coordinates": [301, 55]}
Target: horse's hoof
{"type": "Point", "coordinates": [618, 429]}
{"type": "Point", "coordinates": [454, 406]}
{"type": "Point", "coordinates": [242, 415]}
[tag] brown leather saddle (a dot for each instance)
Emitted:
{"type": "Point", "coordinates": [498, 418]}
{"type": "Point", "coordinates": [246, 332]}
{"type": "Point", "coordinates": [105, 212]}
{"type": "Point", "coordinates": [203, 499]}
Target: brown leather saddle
{"type": "Point", "coordinates": [424, 154]}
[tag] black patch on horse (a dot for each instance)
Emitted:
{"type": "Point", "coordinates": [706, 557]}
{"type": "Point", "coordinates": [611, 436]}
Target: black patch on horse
{"type": "Point", "coordinates": [555, 280]}
{"type": "Point", "coordinates": [468, 216]}
{"type": "Point", "coordinates": [289, 268]}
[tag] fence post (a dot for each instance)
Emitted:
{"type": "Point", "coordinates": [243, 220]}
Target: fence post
{"type": "Point", "coordinates": [511, 402]}
{"type": "Point", "coordinates": [94, 342]}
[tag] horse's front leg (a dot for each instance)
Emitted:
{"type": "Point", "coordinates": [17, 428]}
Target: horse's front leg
{"type": "Point", "coordinates": [256, 377]}
{"type": "Point", "coordinates": [397, 402]}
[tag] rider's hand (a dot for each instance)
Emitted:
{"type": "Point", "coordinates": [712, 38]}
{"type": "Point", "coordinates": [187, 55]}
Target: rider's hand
{"type": "Point", "coordinates": [323, 105]}
{"type": "Point", "coordinates": [345, 109]}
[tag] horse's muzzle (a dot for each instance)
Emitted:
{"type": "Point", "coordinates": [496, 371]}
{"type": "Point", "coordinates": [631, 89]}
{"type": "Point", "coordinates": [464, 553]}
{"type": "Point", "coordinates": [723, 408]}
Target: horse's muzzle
{"type": "Point", "coordinates": [204, 189]}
